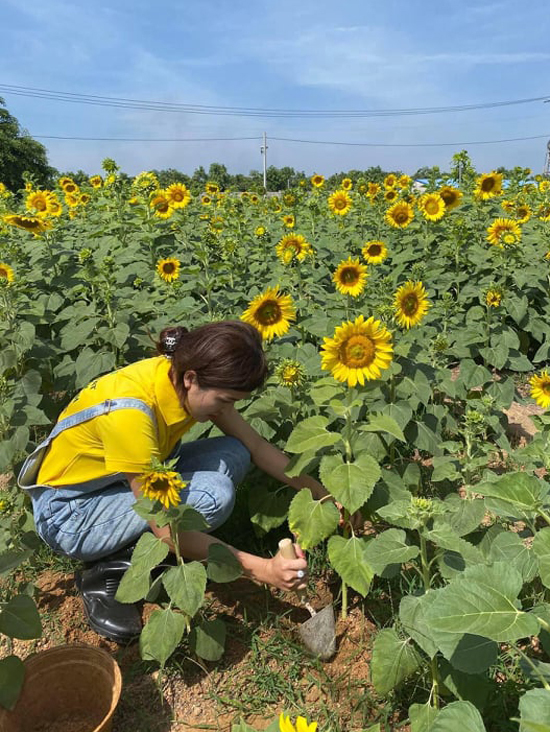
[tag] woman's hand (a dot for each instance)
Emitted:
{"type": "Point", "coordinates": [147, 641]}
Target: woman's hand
{"type": "Point", "coordinates": [287, 574]}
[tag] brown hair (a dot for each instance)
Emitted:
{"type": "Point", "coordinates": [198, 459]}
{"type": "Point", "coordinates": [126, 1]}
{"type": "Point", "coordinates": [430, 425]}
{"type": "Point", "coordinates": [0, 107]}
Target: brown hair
{"type": "Point", "coordinates": [224, 355]}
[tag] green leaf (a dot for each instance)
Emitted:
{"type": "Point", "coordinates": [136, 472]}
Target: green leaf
{"type": "Point", "coordinates": [471, 654]}
{"type": "Point", "coordinates": [301, 463]}
{"type": "Point", "coordinates": [412, 612]}
{"type": "Point", "coordinates": [20, 618]}
{"type": "Point", "coordinates": [422, 717]}
{"type": "Point", "coordinates": [311, 434]}
{"type": "Point", "coordinates": [13, 558]}
{"type": "Point", "coordinates": [347, 556]}
{"type": "Point", "coordinates": [474, 688]}
{"type": "Point", "coordinates": [541, 549]}
{"type": "Point", "coordinates": [444, 537]}
{"type": "Point", "coordinates": [12, 675]}
{"type": "Point", "coordinates": [312, 521]}
{"type": "Point", "coordinates": [445, 468]}
{"type": "Point", "coordinates": [73, 336]}
{"type": "Point", "coordinates": [508, 547]}
{"type": "Point", "coordinates": [134, 586]}
{"type": "Point", "coordinates": [208, 639]}
{"type": "Point", "coordinates": [534, 708]}
{"type": "Point", "coordinates": [423, 437]}
{"type": "Point", "coordinates": [389, 547]}
{"type": "Point", "coordinates": [223, 565]}
{"type": "Point", "coordinates": [458, 716]}
{"type": "Point", "coordinates": [393, 660]}
{"type": "Point", "coordinates": [350, 483]}
{"type": "Point", "coordinates": [90, 364]}
{"type": "Point", "coordinates": [472, 375]}
{"type": "Point", "coordinates": [482, 601]}
{"type": "Point", "coordinates": [148, 552]}
{"type": "Point", "coordinates": [514, 494]}
{"type": "Point", "coordinates": [384, 423]}
{"type": "Point", "coordinates": [161, 636]}
{"type": "Point", "coordinates": [463, 515]}
{"type": "Point", "coordinates": [185, 584]}
{"type": "Point", "coordinates": [269, 508]}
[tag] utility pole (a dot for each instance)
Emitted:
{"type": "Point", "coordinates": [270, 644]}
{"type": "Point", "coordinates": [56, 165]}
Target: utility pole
{"type": "Point", "coordinates": [263, 150]}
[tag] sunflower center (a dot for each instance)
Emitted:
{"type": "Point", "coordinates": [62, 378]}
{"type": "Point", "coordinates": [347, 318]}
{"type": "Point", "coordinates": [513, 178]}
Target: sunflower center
{"type": "Point", "coordinates": [545, 386]}
{"type": "Point", "coordinates": [349, 276]}
{"type": "Point", "coordinates": [40, 204]}
{"type": "Point", "coordinates": [432, 207]}
{"type": "Point", "coordinates": [3, 272]}
{"type": "Point", "coordinates": [357, 352]}
{"type": "Point", "coordinates": [178, 196]}
{"type": "Point", "coordinates": [400, 216]}
{"type": "Point", "coordinates": [488, 185]}
{"type": "Point", "coordinates": [409, 304]}
{"type": "Point", "coordinates": [269, 313]}
{"type": "Point", "coordinates": [375, 250]}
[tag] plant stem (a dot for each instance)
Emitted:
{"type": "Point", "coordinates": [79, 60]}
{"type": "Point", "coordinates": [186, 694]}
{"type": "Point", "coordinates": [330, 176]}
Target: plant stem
{"type": "Point", "coordinates": [175, 541]}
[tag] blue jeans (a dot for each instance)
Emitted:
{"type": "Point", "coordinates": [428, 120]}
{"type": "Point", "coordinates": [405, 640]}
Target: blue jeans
{"type": "Point", "coordinates": [87, 523]}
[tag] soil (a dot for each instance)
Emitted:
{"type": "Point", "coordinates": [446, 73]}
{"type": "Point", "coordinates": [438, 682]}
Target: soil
{"type": "Point", "coordinates": [262, 658]}
{"type": "Point", "coordinates": [67, 723]}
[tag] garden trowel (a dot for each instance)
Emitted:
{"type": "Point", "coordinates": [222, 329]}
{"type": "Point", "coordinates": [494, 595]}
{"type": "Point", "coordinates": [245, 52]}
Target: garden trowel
{"type": "Point", "coordinates": [318, 634]}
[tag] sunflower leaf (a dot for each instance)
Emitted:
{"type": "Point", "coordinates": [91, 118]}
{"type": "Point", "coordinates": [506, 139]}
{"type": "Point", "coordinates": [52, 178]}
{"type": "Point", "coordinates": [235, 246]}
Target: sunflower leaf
{"type": "Point", "coordinates": [350, 483]}
{"type": "Point", "coordinates": [311, 521]}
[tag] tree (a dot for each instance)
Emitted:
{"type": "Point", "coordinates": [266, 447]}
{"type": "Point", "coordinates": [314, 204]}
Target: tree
{"type": "Point", "coordinates": [20, 154]}
{"type": "Point", "coordinates": [217, 173]}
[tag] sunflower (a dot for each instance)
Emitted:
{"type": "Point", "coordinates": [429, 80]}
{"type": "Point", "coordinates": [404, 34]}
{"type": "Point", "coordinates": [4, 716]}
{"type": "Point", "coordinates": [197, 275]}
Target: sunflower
{"type": "Point", "coordinates": [540, 389]}
{"type": "Point", "coordinates": [544, 186]}
{"type": "Point", "coordinates": [290, 373]}
{"type": "Point", "coordinates": [390, 181]}
{"type": "Point", "coordinates": [404, 181]}
{"type": "Point", "coordinates": [358, 350]}
{"type": "Point", "coordinates": [254, 198]}
{"type": "Point", "coordinates": [374, 252]}
{"type": "Point", "coordinates": [373, 189]}
{"type": "Point", "coordinates": [84, 198]}
{"type": "Point", "coordinates": [317, 180]}
{"type": "Point", "coordinates": [350, 277]}
{"type": "Point", "coordinates": [543, 212]}
{"type": "Point", "coordinates": [70, 186]}
{"type": "Point", "coordinates": [271, 313]}
{"type": "Point", "coordinates": [71, 199]}
{"type": "Point", "coordinates": [206, 200]}
{"type": "Point", "coordinates": [163, 486]}
{"type": "Point", "coordinates": [293, 246]}
{"type": "Point", "coordinates": [160, 202]}
{"type": "Point", "coordinates": [38, 201]}
{"type": "Point", "coordinates": [339, 203]}
{"type": "Point", "coordinates": [29, 223]}
{"type": "Point", "coordinates": [302, 725]}
{"type": "Point", "coordinates": [260, 231]}
{"type": "Point", "coordinates": [493, 298]}
{"type": "Point", "coordinates": [6, 272]}
{"type": "Point", "coordinates": [289, 199]}
{"type": "Point", "coordinates": [503, 232]}
{"type": "Point", "coordinates": [523, 213]}
{"type": "Point", "coordinates": [451, 196]}
{"type": "Point", "coordinates": [245, 196]}
{"type": "Point", "coordinates": [508, 206]}
{"type": "Point", "coordinates": [432, 206]}
{"type": "Point", "coordinates": [363, 189]}
{"type": "Point", "coordinates": [54, 207]}
{"type": "Point", "coordinates": [411, 304]}
{"type": "Point", "coordinates": [289, 221]}
{"type": "Point", "coordinates": [169, 269]}
{"type": "Point", "coordinates": [390, 195]}
{"type": "Point", "coordinates": [488, 186]}
{"type": "Point", "coordinates": [216, 224]}
{"type": "Point", "coordinates": [64, 180]}
{"type": "Point", "coordinates": [96, 181]}
{"type": "Point", "coordinates": [399, 215]}
{"type": "Point", "coordinates": [145, 182]}
{"type": "Point", "coordinates": [346, 184]}
{"type": "Point", "coordinates": [212, 188]}
{"type": "Point", "coordinates": [178, 195]}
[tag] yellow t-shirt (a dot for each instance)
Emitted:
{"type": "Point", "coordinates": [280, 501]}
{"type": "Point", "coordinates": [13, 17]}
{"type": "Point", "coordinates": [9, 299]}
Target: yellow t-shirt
{"type": "Point", "coordinates": [123, 441]}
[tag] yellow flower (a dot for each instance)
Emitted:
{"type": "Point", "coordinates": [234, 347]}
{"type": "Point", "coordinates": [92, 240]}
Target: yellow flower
{"type": "Point", "coordinates": [178, 195]}
{"type": "Point", "coordinates": [346, 184]}
{"type": "Point", "coordinates": [271, 313]}
{"type": "Point", "coordinates": [163, 486]}
{"type": "Point", "coordinates": [69, 186]}
{"type": "Point", "coordinates": [84, 198]}
{"type": "Point", "coordinates": [523, 213]}
{"type": "Point", "coordinates": [4, 193]}
{"type": "Point", "coordinates": [493, 298]}
{"type": "Point", "coordinates": [29, 223]}
{"type": "Point", "coordinates": [293, 246]}
{"type": "Point", "coordinates": [285, 725]}
{"type": "Point", "coordinates": [289, 221]}
{"type": "Point", "coordinates": [254, 198]}
{"type": "Point", "coordinates": [260, 231]}
{"type": "Point", "coordinates": [404, 181]}
{"type": "Point", "coordinates": [390, 195]}
{"type": "Point", "coordinates": [399, 215]}
{"type": "Point", "coordinates": [540, 389]}
{"type": "Point", "coordinates": [212, 188]}
{"type": "Point", "coordinates": [390, 181]}
{"type": "Point", "coordinates": [373, 189]}
{"type": "Point", "coordinates": [289, 199]}
{"type": "Point", "coordinates": [339, 203]}
{"type": "Point", "coordinates": [432, 206]}
{"type": "Point", "coordinates": [544, 186]}
{"type": "Point", "coordinates": [543, 212]}
{"type": "Point", "coordinates": [38, 201]}
{"type": "Point", "coordinates": [96, 181]}
{"type": "Point", "coordinates": [6, 272]}
{"type": "Point", "coordinates": [503, 232]}
{"type": "Point", "coordinates": [374, 252]}
{"type": "Point", "coordinates": [290, 373]}
{"type": "Point", "coordinates": [54, 207]}
{"type": "Point", "coordinates": [488, 186]}
{"type": "Point", "coordinates": [71, 199]}
{"type": "Point", "coordinates": [358, 350]}
{"type": "Point", "coordinates": [508, 206]}
{"type": "Point", "coordinates": [451, 196]}
{"type": "Point", "coordinates": [163, 209]}
{"type": "Point", "coordinates": [411, 304]}
{"type": "Point", "coordinates": [145, 181]}
{"type": "Point", "coordinates": [64, 181]}
{"type": "Point", "coordinates": [317, 180]}
{"type": "Point", "coordinates": [350, 277]}
{"type": "Point", "coordinates": [217, 224]}
{"type": "Point", "coordinates": [169, 269]}
{"type": "Point", "coordinates": [206, 200]}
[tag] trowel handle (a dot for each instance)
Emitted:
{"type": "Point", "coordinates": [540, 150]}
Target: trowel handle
{"type": "Point", "coordinates": [286, 550]}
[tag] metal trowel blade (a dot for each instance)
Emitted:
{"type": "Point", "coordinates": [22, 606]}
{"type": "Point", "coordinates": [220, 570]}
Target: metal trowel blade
{"type": "Point", "coordinates": [318, 634]}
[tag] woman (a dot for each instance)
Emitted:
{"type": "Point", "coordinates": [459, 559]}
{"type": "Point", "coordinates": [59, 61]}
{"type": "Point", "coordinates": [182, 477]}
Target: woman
{"type": "Point", "coordinates": [84, 479]}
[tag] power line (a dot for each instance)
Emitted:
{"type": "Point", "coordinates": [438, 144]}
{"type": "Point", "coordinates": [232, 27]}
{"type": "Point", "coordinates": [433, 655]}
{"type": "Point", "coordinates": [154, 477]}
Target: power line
{"type": "Point", "coordinates": [148, 105]}
{"type": "Point", "coordinates": [146, 139]}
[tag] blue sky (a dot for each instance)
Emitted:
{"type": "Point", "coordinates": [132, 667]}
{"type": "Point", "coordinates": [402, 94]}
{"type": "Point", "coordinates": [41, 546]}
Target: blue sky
{"type": "Point", "coordinates": [308, 55]}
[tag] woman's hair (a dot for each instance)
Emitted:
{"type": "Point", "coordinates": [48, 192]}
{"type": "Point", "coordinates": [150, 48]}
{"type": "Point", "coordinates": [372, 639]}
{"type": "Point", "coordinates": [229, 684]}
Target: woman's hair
{"type": "Point", "coordinates": [224, 355]}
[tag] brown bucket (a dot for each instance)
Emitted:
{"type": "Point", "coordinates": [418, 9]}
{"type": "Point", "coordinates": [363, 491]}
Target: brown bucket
{"type": "Point", "coordinates": [67, 689]}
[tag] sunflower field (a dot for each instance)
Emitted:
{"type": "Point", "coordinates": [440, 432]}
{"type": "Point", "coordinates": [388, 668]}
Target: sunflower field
{"type": "Point", "coordinates": [401, 322]}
